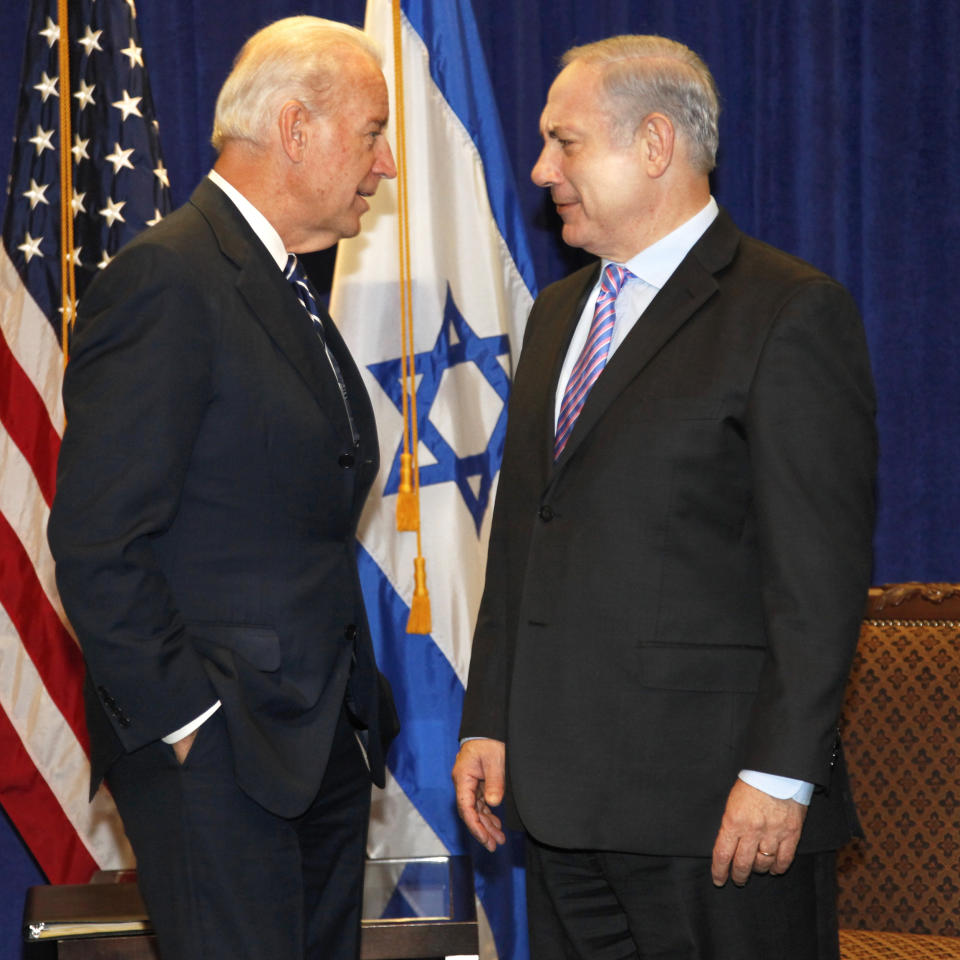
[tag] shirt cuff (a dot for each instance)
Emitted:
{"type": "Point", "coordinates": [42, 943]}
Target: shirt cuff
{"type": "Point", "coordinates": [783, 788]}
{"type": "Point", "coordinates": [188, 728]}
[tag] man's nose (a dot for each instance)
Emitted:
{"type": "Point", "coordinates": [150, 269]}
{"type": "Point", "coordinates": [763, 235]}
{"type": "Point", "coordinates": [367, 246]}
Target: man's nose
{"type": "Point", "coordinates": [544, 171]}
{"type": "Point", "coordinates": [384, 166]}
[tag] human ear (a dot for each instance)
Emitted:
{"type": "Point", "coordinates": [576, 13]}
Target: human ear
{"type": "Point", "coordinates": [292, 127]}
{"type": "Point", "coordinates": [657, 143]}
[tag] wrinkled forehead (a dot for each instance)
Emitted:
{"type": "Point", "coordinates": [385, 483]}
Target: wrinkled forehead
{"type": "Point", "coordinates": [575, 97]}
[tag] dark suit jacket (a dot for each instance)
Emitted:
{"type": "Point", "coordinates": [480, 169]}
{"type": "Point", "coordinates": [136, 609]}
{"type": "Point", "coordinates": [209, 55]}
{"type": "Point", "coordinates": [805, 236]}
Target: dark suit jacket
{"type": "Point", "coordinates": [678, 597]}
{"type": "Point", "coordinates": [208, 493]}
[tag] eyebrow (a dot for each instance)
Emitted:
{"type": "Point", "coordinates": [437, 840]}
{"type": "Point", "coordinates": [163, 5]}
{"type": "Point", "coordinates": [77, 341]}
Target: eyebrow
{"type": "Point", "coordinates": [554, 130]}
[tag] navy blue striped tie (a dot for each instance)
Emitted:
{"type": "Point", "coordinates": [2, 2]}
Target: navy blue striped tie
{"type": "Point", "coordinates": [307, 296]}
{"type": "Point", "coordinates": [593, 357]}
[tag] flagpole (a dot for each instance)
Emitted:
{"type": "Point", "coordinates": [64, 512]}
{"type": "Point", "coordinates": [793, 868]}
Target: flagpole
{"type": "Point", "coordinates": [68, 288]}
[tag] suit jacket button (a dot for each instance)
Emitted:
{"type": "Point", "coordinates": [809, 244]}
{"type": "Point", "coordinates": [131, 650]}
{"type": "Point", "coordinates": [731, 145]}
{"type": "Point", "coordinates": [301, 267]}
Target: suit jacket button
{"type": "Point", "coordinates": [350, 632]}
{"type": "Point", "coordinates": [546, 513]}
{"type": "Point", "coordinates": [346, 460]}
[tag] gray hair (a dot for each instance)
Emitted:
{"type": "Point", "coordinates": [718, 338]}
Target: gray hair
{"type": "Point", "coordinates": [297, 58]}
{"type": "Point", "coordinates": [646, 73]}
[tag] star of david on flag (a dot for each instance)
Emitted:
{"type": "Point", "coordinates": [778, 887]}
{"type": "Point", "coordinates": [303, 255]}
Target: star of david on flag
{"type": "Point", "coordinates": [447, 439]}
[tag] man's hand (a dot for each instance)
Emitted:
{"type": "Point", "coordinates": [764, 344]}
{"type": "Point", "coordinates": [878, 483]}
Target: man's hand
{"type": "Point", "coordinates": [182, 747]}
{"type": "Point", "coordinates": [759, 834]}
{"type": "Point", "coordinates": [478, 777]}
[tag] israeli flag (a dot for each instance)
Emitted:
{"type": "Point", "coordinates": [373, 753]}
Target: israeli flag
{"type": "Point", "coordinates": [472, 287]}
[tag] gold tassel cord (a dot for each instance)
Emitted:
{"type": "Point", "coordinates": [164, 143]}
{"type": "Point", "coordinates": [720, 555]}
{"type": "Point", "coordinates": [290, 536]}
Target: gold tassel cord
{"type": "Point", "coordinates": [68, 279]}
{"type": "Point", "coordinates": [408, 497]}
{"type": "Point", "coordinates": [408, 514]}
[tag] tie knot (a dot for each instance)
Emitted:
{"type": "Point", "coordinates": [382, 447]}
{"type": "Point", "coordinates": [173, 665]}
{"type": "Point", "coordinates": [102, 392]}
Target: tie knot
{"type": "Point", "coordinates": [614, 277]}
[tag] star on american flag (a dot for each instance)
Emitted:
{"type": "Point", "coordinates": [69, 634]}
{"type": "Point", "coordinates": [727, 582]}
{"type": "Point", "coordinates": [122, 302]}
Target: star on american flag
{"type": "Point", "coordinates": [128, 106]}
{"type": "Point", "coordinates": [37, 193]}
{"type": "Point", "coordinates": [79, 149]}
{"type": "Point", "coordinates": [119, 158]}
{"type": "Point", "coordinates": [42, 140]}
{"type": "Point", "coordinates": [47, 86]}
{"type": "Point", "coordinates": [135, 54]}
{"type": "Point", "coordinates": [50, 33]}
{"type": "Point", "coordinates": [90, 40]}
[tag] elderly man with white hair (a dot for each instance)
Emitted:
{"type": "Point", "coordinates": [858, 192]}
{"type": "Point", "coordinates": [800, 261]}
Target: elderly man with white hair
{"type": "Point", "coordinates": [219, 448]}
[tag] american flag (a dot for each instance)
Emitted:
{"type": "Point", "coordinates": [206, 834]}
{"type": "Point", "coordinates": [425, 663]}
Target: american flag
{"type": "Point", "coordinates": [119, 186]}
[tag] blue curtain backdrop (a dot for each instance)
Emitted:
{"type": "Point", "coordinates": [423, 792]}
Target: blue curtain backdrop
{"type": "Point", "coordinates": [839, 141]}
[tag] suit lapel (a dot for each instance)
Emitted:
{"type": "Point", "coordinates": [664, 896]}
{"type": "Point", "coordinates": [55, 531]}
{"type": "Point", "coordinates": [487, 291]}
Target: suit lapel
{"type": "Point", "coordinates": [687, 289]}
{"type": "Point", "coordinates": [273, 302]}
{"type": "Point", "coordinates": [278, 310]}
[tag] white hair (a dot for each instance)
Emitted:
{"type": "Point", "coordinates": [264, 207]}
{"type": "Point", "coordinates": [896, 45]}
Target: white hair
{"type": "Point", "coordinates": [297, 58]}
{"type": "Point", "coordinates": [647, 73]}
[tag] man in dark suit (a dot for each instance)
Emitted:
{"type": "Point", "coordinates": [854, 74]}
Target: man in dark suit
{"type": "Point", "coordinates": [219, 448]}
{"type": "Point", "coordinates": [680, 551]}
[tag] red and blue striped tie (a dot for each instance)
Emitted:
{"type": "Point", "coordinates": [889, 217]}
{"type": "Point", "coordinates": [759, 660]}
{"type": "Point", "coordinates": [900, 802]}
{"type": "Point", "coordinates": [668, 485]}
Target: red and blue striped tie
{"type": "Point", "coordinates": [593, 357]}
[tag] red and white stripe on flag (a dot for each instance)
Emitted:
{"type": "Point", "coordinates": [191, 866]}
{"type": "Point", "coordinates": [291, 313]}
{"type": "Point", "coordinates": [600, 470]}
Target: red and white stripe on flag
{"type": "Point", "coordinates": [45, 778]}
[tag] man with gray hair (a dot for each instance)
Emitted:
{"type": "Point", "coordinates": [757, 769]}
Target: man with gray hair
{"type": "Point", "coordinates": [680, 551]}
{"type": "Point", "coordinates": [219, 448]}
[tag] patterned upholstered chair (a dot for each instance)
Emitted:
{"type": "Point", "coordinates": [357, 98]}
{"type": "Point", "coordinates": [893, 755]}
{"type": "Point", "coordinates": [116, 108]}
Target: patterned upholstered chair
{"type": "Point", "coordinates": [900, 885]}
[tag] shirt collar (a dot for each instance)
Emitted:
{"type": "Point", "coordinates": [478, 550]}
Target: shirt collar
{"type": "Point", "coordinates": [259, 224]}
{"type": "Point", "coordinates": [656, 263]}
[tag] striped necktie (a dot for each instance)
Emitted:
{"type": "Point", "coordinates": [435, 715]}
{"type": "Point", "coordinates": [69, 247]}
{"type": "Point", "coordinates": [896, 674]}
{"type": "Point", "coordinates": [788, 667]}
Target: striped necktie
{"type": "Point", "coordinates": [593, 357]}
{"type": "Point", "coordinates": [307, 296]}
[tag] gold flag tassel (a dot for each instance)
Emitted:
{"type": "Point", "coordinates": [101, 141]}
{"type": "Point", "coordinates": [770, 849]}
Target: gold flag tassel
{"type": "Point", "coordinates": [408, 495]}
{"type": "Point", "coordinates": [420, 621]}
{"type": "Point", "coordinates": [68, 279]}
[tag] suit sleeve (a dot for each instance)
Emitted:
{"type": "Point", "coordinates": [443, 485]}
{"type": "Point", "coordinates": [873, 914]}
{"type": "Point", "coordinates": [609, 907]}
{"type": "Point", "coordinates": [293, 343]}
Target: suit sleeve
{"type": "Point", "coordinates": [810, 429]}
{"type": "Point", "coordinates": [135, 391]}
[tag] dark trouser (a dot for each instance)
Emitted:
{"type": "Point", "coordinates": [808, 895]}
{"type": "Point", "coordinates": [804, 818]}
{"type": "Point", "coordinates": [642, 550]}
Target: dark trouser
{"type": "Point", "coordinates": [589, 905]}
{"type": "Point", "coordinates": [224, 879]}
